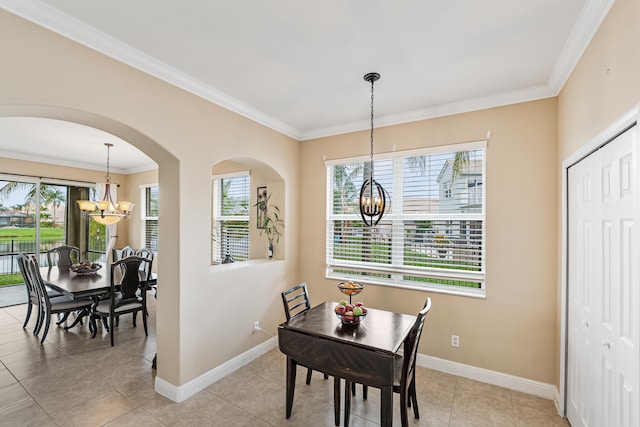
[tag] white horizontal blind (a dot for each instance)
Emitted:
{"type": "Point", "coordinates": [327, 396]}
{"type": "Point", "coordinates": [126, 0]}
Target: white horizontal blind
{"type": "Point", "coordinates": [149, 205]}
{"type": "Point", "coordinates": [231, 218]}
{"type": "Point", "coordinates": [433, 233]}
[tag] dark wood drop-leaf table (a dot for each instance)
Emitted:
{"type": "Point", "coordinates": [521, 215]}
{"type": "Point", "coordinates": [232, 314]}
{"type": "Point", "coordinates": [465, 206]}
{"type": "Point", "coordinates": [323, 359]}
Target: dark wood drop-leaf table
{"type": "Point", "coordinates": [362, 354]}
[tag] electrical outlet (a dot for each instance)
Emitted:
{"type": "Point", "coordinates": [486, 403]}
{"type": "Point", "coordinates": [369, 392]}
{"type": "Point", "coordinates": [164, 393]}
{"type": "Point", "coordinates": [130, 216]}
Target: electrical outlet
{"type": "Point", "coordinates": [256, 326]}
{"type": "Point", "coordinates": [455, 341]}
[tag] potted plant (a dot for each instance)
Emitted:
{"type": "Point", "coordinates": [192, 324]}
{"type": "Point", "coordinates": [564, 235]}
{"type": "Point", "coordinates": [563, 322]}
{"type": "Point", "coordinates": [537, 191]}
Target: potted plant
{"type": "Point", "coordinates": [271, 223]}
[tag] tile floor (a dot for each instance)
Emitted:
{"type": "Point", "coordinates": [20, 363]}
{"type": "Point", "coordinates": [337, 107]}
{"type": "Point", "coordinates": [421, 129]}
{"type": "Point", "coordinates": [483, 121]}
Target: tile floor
{"type": "Point", "coordinates": [73, 380]}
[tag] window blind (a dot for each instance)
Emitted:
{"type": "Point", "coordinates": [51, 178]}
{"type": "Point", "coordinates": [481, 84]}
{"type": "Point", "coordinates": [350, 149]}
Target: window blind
{"type": "Point", "coordinates": [433, 233]}
{"type": "Point", "coordinates": [231, 218]}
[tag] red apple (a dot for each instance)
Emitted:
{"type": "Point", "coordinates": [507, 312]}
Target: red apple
{"type": "Point", "coordinates": [340, 309]}
{"type": "Point", "coordinates": [364, 310]}
{"type": "Point", "coordinates": [348, 318]}
{"type": "Point", "coordinates": [348, 307]}
{"type": "Point", "coordinates": [359, 304]}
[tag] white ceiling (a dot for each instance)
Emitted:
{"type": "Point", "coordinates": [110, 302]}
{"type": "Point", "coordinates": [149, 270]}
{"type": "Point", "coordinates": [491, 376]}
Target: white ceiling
{"type": "Point", "coordinates": [297, 66]}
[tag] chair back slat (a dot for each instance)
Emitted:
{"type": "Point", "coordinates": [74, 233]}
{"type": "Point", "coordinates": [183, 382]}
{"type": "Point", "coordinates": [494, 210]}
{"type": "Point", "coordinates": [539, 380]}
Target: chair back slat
{"type": "Point", "coordinates": [63, 256]}
{"type": "Point", "coordinates": [295, 300]}
{"type": "Point", "coordinates": [411, 347]}
{"type": "Point", "coordinates": [131, 279]}
{"type": "Point", "coordinates": [26, 275]}
{"type": "Point", "coordinates": [118, 254]}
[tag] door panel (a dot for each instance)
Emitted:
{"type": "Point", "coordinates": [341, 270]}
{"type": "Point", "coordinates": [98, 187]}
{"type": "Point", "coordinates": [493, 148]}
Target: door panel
{"type": "Point", "coordinates": [603, 298]}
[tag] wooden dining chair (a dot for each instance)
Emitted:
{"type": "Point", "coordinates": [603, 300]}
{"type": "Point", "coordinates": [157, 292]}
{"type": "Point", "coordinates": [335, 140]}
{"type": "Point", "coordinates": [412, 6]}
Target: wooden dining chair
{"type": "Point", "coordinates": [296, 302]}
{"type": "Point", "coordinates": [32, 293]}
{"type": "Point", "coordinates": [63, 256]}
{"type": "Point", "coordinates": [405, 369]}
{"type": "Point", "coordinates": [152, 281]}
{"type": "Point", "coordinates": [124, 295]}
{"type": "Point", "coordinates": [47, 306]}
{"type": "Point", "coordinates": [118, 254]}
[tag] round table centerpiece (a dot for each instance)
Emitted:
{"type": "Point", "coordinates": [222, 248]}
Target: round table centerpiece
{"type": "Point", "coordinates": [85, 268]}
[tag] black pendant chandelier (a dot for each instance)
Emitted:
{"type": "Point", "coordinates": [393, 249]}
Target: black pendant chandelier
{"type": "Point", "coordinates": [373, 198]}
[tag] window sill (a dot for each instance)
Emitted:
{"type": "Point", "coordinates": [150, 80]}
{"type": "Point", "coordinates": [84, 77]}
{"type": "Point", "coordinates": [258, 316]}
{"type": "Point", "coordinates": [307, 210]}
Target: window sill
{"type": "Point", "coordinates": [243, 264]}
{"type": "Point", "coordinates": [462, 292]}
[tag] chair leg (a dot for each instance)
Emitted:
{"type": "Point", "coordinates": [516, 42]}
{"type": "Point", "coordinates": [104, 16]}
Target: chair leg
{"type": "Point", "coordinates": [111, 331]}
{"type": "Point", "coordinates": [403, 408]}
{"type": "Point", "coordinates": [135, 315]}
{"type": "Point", "coordinates": [353, 389]}
{"type": "Point", "coordinates": [413, 399]}
{"type": "Point", "coordinates": [29, 308]}
{"type": "Point", "coordinates": [365, 391]}
{"type": "Point", "coordinates": [309, 371]}
{"type": "Point", "coordinates": [46, 329]}
{"type": "Point", "coordinates": [144, 321]}
{"type": "Point", "coordinates": [39, 321]}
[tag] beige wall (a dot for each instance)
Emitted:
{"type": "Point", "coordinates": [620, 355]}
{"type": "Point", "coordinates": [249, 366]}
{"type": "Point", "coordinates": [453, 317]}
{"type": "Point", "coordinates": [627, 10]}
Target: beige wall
{"type": "Point", "coordinates": [604, 85]}
{"type": "Point", "coordinates": [513, 329]}
{"type": "Point", "coordinates": [199, 325]}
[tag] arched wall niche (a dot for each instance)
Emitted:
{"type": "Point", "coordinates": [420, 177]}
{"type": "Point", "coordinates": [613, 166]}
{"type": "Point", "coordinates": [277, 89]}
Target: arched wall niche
{"type": "Point", "coordinates": [262, 175]}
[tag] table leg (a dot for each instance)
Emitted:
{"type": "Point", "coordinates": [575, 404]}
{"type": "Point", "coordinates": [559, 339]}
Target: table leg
{"type": "Point", "coordinates": [291, 384]}
{"type": "Point", "coordinates": [336, 400]}
{"type": "Point", "coordinates": [386, 406]}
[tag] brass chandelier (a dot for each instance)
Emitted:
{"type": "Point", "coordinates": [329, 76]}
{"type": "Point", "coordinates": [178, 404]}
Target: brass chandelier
{"type": "Point", "coordinates": [373, 197]}
{"type": "Point", "coordinates": [106, 211]}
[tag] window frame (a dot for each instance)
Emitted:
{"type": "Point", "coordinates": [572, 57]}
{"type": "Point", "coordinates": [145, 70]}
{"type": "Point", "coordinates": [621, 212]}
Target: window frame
{"type": "Point", "coordinates": [144, 217]}
{"type": "Point", "coordinates": [397, 267]}
{"type": "Point", "coordinates": [217, 217]}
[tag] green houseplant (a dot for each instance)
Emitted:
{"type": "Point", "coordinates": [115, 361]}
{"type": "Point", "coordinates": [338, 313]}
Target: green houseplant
{"type": "Point", "coordinates": [269, 222]}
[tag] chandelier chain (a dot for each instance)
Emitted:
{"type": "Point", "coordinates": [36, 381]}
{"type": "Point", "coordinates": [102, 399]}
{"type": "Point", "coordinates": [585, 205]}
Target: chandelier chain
{"type": "Point", "coordinates": [108, 177]}
{"type": "Point", "coordinates": [371, 138]}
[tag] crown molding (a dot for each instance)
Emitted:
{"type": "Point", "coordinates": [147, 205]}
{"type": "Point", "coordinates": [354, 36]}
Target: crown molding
{"type": "Point", "coordinates": [52, 19]}
{"type": "Point", "coordinates": [499, 100]}
{"type": "Point", "coordinates": [589, 20]}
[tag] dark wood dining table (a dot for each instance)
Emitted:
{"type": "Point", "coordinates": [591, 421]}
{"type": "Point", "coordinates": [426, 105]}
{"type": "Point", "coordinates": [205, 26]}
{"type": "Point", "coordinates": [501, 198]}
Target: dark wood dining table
{"type": "Point", "coordinates": [75, 285]}
{"type": "Point", "coordinates": [361, 353]}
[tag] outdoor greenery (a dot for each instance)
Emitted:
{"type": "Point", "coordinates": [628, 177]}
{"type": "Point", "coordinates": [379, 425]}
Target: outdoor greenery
{"type": "Point", "coordinates": [26, 235]}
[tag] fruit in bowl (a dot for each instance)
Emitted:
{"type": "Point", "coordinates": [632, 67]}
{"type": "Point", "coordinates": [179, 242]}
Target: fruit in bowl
{"type": "Point", "coordinates": [350, 314]}
{"type": "Point", "coordinates": [85, 267]}
{"type": "Point", "coordinates": [350, 288]}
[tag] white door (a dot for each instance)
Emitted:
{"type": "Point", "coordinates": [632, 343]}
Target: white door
{"type": "Point", "coordinates": [603, 290]}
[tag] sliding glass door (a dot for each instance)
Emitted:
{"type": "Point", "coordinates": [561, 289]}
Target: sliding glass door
{"type": "Point", "coordinates": [37, 215]}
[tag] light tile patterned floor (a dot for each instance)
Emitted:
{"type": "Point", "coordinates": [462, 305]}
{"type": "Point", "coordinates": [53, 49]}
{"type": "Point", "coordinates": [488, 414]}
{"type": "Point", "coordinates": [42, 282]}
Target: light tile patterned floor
{"type": "Point", "coordinates": [73, 380]}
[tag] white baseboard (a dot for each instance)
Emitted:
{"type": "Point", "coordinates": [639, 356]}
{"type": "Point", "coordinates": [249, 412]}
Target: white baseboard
{"type": "Point", "coordinates": [183, 392]}
{"type": "Point", "coordinates": [536, 388]}
{"type": "Point", "coordinates": [524, 385]}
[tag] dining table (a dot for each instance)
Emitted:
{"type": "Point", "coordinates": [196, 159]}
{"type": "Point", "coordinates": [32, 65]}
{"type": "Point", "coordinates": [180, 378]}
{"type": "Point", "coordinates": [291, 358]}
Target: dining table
{"type": "Point", "coordinates": [362, 353]}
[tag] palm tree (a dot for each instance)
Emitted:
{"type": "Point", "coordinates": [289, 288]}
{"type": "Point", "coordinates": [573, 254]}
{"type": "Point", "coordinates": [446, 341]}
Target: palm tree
{"type": "Point", "coordinates": [55, 197]}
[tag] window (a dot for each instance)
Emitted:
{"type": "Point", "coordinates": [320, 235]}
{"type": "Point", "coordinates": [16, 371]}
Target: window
{"type": "Point", "coordinates": [433, 234]}
{"type": "Point", "coordinates": [230, 226]}
{"type": "Point", "coordinates": [149, 211]}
